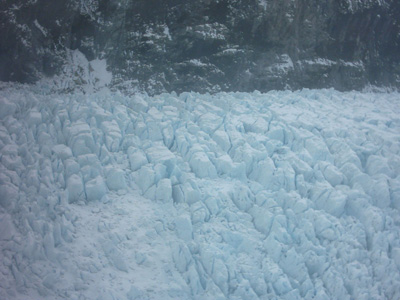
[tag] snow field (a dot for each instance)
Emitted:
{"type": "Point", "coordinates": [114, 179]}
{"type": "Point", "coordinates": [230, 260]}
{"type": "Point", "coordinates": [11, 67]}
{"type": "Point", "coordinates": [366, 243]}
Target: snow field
{"type": "Point", "coordinates": [284, 195]}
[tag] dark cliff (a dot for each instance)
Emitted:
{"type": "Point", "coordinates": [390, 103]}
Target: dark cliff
{"type": "Point", "coordinates": [208, 45]}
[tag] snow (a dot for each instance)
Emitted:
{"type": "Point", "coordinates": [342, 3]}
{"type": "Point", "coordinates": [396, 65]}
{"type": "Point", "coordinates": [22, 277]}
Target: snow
{"type": "Point", "coordinates": [166, 32]}
{"type": "Point", "coordinates": [263, 4]}
{"type": "Point", "coordinates": [285, 65]}
{"type": "Point", "coordinates": [284, 195]}
{"type": "Point", "coordinates": [78, 73]}
{"type": "Point", "coordinates": [40, 27]}
{"type": "Point", "coordinates": [100, 72]}
{"type": "Point", "coordinates": [329, 63]}
{"type": "Point", "coordinates": [197, 63]}
{"type": "Point", "coordinates": [214, 31]}
{"type": "Point", "coordinates": [320, 61]}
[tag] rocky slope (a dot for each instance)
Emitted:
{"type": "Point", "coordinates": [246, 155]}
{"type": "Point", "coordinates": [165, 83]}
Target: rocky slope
{"type": "Point", "coordinates": [207, 45]}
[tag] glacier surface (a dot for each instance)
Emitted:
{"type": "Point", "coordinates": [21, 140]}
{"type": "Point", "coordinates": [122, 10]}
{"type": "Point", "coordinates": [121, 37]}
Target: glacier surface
{"type": "Point", "coordinates": [284, 195]}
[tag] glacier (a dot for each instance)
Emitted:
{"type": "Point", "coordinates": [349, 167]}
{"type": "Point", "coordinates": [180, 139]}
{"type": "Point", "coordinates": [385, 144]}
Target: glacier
{"type": "Point", "coordinates": [278, 195]}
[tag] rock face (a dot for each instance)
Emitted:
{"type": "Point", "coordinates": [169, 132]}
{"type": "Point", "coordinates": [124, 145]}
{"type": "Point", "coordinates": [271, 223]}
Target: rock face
{"type": "Point", "coordinates": [207, 45]}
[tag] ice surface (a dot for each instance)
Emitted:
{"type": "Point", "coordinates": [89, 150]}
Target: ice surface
{"type": "Point", "coordinates": [115, 179]}
{"type": "Point", "coordinates": [284, 195]}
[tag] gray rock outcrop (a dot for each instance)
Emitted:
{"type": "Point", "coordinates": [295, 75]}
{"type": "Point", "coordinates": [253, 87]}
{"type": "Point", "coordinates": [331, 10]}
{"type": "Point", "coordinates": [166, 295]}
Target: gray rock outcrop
{"type": "Point", "coordinates": [208, 45]}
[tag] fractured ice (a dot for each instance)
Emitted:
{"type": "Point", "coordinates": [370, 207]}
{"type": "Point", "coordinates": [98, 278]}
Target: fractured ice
{"type": "Point", "coordinates": [284, 195]}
